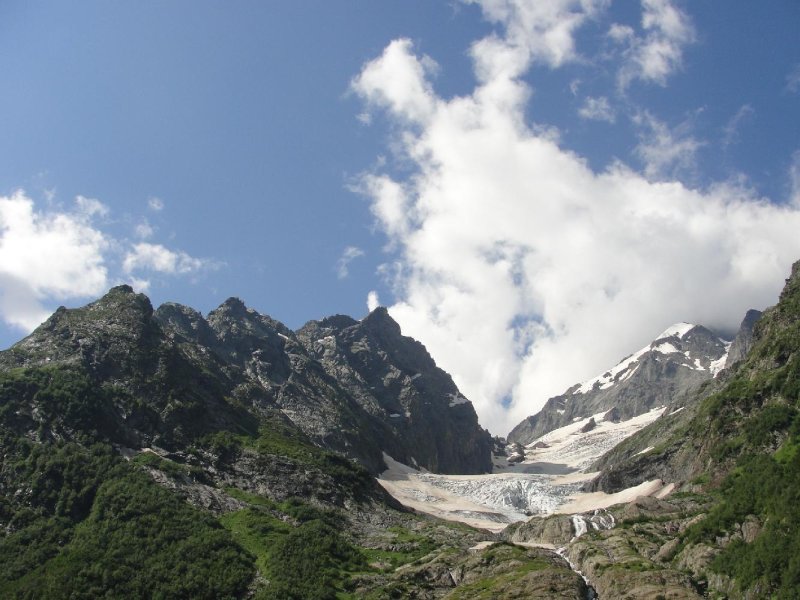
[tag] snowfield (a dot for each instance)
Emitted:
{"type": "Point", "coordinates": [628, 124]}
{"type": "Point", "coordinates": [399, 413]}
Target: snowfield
{"type": "Point", "coordinates": [547, 481]}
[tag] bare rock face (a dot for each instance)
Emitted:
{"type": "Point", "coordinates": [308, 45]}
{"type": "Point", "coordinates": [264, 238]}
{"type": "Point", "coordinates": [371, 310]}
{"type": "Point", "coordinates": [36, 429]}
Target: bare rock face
{"type": "Point", "coordinates": [358, 388]}
{"type": "Point", "coordinates": [744, 338]}
{"type": "Point", "coordinates": [394, 380]}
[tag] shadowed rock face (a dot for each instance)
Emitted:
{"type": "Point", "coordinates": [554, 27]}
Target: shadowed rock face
{"type": "Point", "coordinates": [744, 338]}
{"type": "Point", "coordinates": [666, 371]}
{"type": "Point", "coordinates": [394, 380]}
{"type": "Point", "coordinates": [360, 388]}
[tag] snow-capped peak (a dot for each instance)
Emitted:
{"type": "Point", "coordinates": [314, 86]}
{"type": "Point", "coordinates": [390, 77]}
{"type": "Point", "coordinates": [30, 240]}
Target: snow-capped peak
{"type": "Point", "coordinates": [661, 345]}
{"type": "Point", "coordinates": [608, 378]}
{"type": "Point", "coordinates": [678, 330]}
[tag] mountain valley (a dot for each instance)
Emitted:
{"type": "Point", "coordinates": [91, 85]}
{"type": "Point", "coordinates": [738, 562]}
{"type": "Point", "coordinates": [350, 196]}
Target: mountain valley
{"type": "Point", "coordinates": [162, 453]}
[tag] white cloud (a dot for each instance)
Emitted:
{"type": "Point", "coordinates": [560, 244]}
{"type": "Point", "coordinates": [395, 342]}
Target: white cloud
{"type": "Point", "coordinates": [155, 204]}
{"type": "Point", "coordinates": [397, 81]}
{"type": "Point", "coordinates": [658, 53]}
{"type": "Point", "coordinates": [542, 32]}
{"type": "Point", "coordinates": [597, 109]}
{"type": "Point", "coordinates": [140, 285]}
{"type": "Point", "coordinates": [144, 230]}
{"type": "Point", "coordinates": [59, 255]}
{"type": "Point", "coordinates": [89, 207]}
{"type": "Point", "coordinates": [343, 264]}
{"type": "Point", "coordinates": [155, 257]}
{"type": "Point", "coordinates": [524, 271]}
{"type": "Point", "coordinates": [666, 153]}
{"type": "Point", "coordinates": [47, 255]}
{"type": "Point", "coordinates": [373, 301]}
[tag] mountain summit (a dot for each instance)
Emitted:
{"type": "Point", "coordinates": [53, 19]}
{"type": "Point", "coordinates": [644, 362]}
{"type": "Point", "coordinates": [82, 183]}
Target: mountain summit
{"type": "Point", "coordinates": [359, 388]}
{"type": "Point", "coordinates": [675, 363]}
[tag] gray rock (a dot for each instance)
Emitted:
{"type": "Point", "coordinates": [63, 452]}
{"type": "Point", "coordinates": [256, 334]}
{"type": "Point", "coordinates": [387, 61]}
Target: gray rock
{"type": "Point", "coordinates": [744, 338]}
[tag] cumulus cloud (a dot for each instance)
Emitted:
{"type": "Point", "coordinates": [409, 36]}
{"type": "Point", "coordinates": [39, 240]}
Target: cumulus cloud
{"type": "Point", "coordinates": [519, 267]}
{"type": "Point", "coordinates": [160, 259]}
{"type": "Point", "coordinates": [542, 32]}
{"type": "Point", "coordinates": [373, 301]}
{"type": "Point", "coordinates": [45, 255]}
{"type": "Point", "coordinates": [343, 264]}
{"type": "Point", "coordinates": [597, 109]}
{"type": "Point", "coordinates": [656, 54]}
{"type": "Point", "coordinates": [61, 254]}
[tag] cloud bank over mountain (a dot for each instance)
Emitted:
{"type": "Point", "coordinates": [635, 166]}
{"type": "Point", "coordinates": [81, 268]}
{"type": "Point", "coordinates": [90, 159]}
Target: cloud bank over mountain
{"type": "Point", "coordinates": [517, 264]}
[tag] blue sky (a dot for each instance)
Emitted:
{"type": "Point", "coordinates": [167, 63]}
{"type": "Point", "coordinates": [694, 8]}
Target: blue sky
{"type": "Point", "coordinates": [535, 189]}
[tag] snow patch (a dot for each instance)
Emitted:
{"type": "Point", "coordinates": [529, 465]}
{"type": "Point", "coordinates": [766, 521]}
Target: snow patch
{"type": "Point", "coordinates": [678, 330]}
{"type": "Point", "coordinates": [547, 481]}
{"type": "Point", "coordinates": [607, 379]}
{"type": "Point", "coordinates": [665, 348]}
{"type": "Point", "coordinates": [717, 365]}
{"type": "Point", "coordinates": [567, 446]}
{"type": "Point", "coordinates": [456, 399]}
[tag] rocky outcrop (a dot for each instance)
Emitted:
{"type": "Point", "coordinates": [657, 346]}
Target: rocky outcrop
{"type": "Point", "coordinates": [499, 570]}
{"type": "Point", "coordinates": [744, 338]}
{"type": "Point", "coordinates": [394, 379]}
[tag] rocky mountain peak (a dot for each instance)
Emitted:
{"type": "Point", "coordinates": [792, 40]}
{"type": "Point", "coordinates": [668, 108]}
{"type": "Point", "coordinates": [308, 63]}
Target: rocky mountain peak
{"type": "Point", "coordinates": [233, 305]}
{"type": "Point", "coordinates": [380, 320]}
{"type": "Point", "coordinates": [124, 299]}
{"type": "Point", "coordinates": [394, 379]}
{"type": "Point", "coordinates": [792, 287]}
{"type": "Point", "coordinates": [184, 322]}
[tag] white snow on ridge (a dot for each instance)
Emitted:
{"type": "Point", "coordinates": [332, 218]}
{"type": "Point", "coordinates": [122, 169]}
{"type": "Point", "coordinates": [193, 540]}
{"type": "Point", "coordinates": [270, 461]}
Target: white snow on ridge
{"type": "Point", "coordinates": [665, 348]}
{"type": "Point", "coordinates": [576, 450]}
{"type": "Point", "coordinates": [625, 369]}
{"type": "Point", "coordinates": [607, 379]}
{"type": "Point", "coordinates": [678, 330]}
{"type": "Point", "coordinates": [456, 399]}
{"type": "Point", "coordinates": [717, 365]}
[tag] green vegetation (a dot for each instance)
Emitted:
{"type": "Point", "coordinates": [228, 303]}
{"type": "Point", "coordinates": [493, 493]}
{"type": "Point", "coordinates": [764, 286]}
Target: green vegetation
{"type": "Point", "coordinates": [93, 526]}
{"type": "Point", "coordinates": [309, 558]}
{"type": "Point", "coordinates": [171, 468]}
{"type": "Point", "coordinates": [278, 438]}
{"type": "Point", "coordinates": [768, 488]}
{"type": "Point", "coordinates": [757, 422]}
{"type": "Point", "coordinates": [65, 400]}
{"type": "Point", "coordinates": [406, 546]}
{"type": "Point", "coordinates": [514, 562]}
